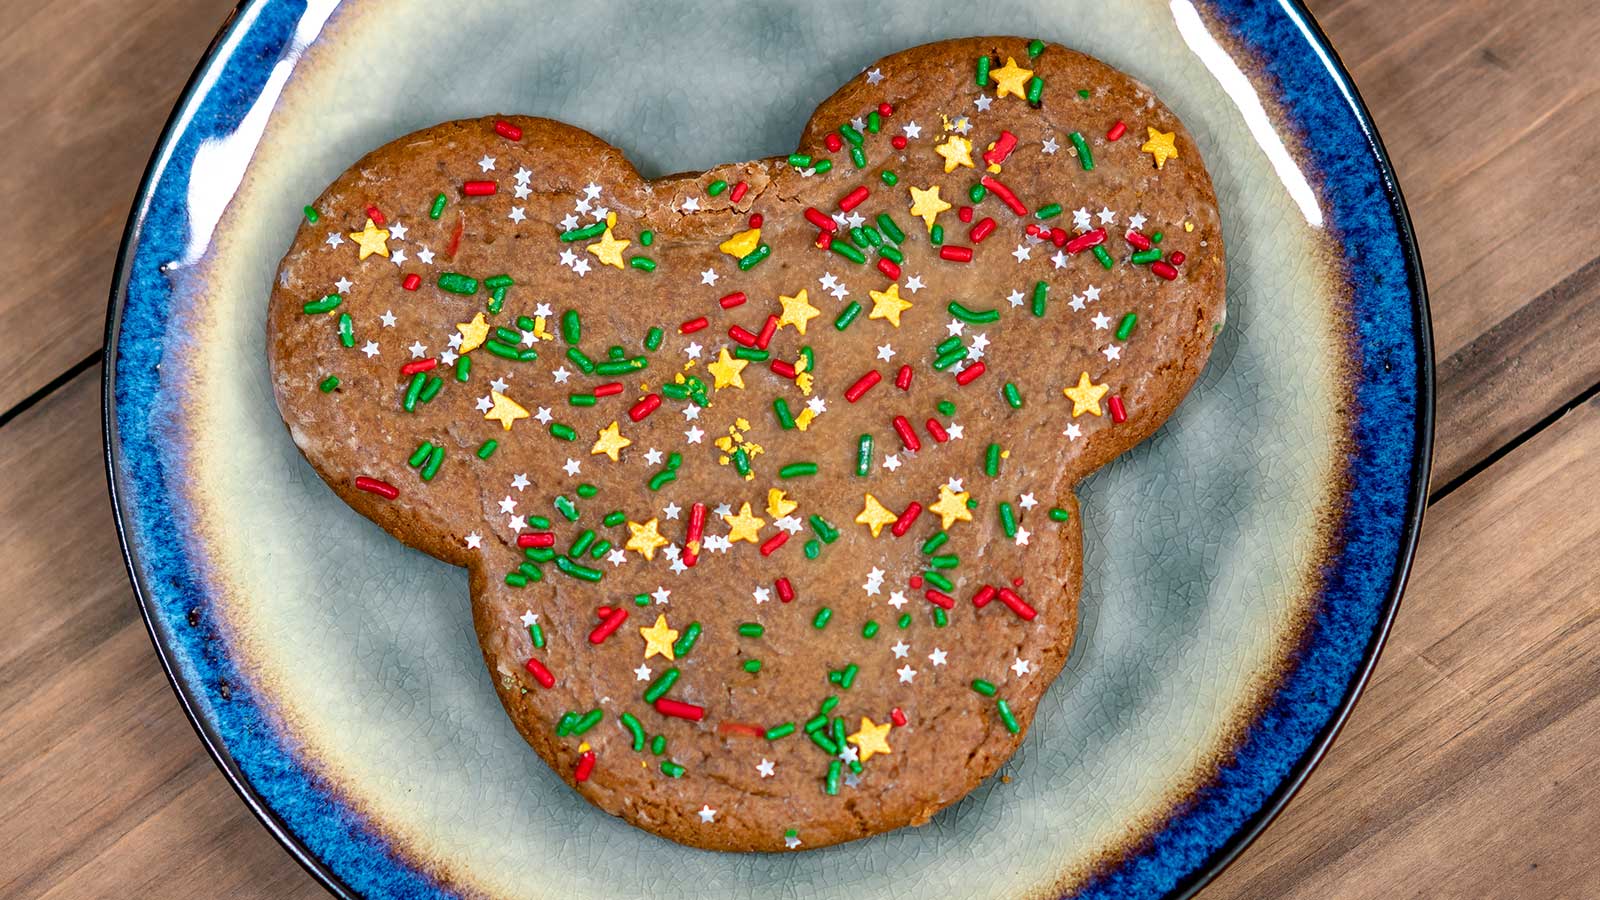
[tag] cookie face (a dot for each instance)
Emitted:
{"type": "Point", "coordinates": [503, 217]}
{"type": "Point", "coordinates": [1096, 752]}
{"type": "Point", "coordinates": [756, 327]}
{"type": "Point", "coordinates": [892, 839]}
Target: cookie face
{"type": "Point", "coordinates": [764, 476]}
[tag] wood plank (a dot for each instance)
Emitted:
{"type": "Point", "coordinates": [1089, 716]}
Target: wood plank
{"type": "Point", "coordinates": [1468, 768]}
{"type": "Point", "coordinates": [104, 788]}
{"type": "Point", "coordinates": [88, 84]}
{"type": "Point", "coordinates": [1489, 116]}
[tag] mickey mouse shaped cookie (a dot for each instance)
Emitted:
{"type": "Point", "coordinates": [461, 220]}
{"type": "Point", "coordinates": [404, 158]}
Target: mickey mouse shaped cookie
{"type": "Point", "coordinates": [764, 475]}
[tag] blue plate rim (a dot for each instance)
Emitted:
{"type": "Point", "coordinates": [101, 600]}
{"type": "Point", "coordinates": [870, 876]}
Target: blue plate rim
{"type": "Point", "coordinates": [1189, 884]}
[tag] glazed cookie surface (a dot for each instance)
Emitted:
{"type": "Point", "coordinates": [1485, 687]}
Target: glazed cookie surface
{"type": "Point", "coordinates": [764, 475]}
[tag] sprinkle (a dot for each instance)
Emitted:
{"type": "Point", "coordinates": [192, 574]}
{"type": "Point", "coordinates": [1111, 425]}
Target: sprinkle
{"type": "Point", "coordinates": [325, 305]}
{"type": "Point", "coordinates": [693, 325]}
{"type": "Point", "coordinates": [983, 687]}
{"type": "Point", "coordinates": [937, 580]}
{"type": "Point", "coordinates": [798, 470]}
{"type": "Point", "coordinates": [1145, 257]}
{"type": "Point", "coordinates": [540, 673]}
{"type": "Point", "coordinates": [785, 590]}
{"type": "Point", "coordinates": [1008, 519]}
{"type": "Point", "coordinates": [1016, 604]}
{"type": "Point", "coordinates": [1164, 270]}
{"type": "Point", "coordinates": [976, 193]}
{"type": "Point", "coordinates": [685, 643]}
{"type": "Point", "coordinates": [903, 524]}
{"type": "Point", "coordinates": [752, 666]}
{"type": "Point", "coordinates": [936, 235]}
{"type": "Point", "coordinates": [864, 454]}
{"type": "Point", "coordinates": [1118, 413]}
{"type": "Point", "coordinates": [1035, 90]}
{"type": "Point", "coordinates": [479, 188]}
{"type": "Point", "coordinates": [854, 198]}
{"type": "Point", "coordinates": [754, 257]}
{"type": "Point", "coordinates": [1035, 47]}
{"type": "Point", "coordinates": [577, 570]}
{"type": "Point", "coordinates": [672, 769]}
{"type": "Point", "coordinates": [983, 71]}
{"type": "Point", "coordinates": [780, 731]}
{"type": "Point", "coordinates": [1104, 257]}
{"type": "Point", "coordinates": [437, 209]}
{"type": "Point", "coordinates": [1126, 327]}
{"type": "Point", "coordinates": [456, 283]}
{"type": "Point", "coordinates": [902, 379]}
{"type": "Point", "coordinates": [771, 544]}
{"type": "Point", "coordinates": [897, 717]}
{"type": "Point", "coordinates": [1047, 212]}
{"type": "Point", "coordinates": [584, 233]}
{"type": "Point", "coordinates": [820, 621]}
{"type": "Point", "coordinates": [847, 316]}
{"type": "Point", "coordinates": [642, 263]}
{"type": "Point", "coordinates": [1086, 240]}
{"type": "Point", "coordinates": [991, 461]}
{"type": "Point", "coordinates": [435, 459]}
{"type": "Point", "coordinates": [862, 385]}
{"type": "Point", "coordinates": [658, 746]}
{"type": "Point", "coordinates": [413, 391]}
{"type": "Point", "coordinates": [1006, 716]}
{"type": "Point", "coordinates": [908, 437]}
{"type": "Point", "coordinates": [956, 254]}
{"type": "Point", "coordinates": [411, 282]}
{"type": "Point", "coordinates": [934, 543]}
{"type": "Point", "coordinates": [830, 783]}
{"type": "Point", "coordinates": [984, 595]}
{"type": "Point", "coordinates": [328, 384]}
{"type": "Point", "coordinates": [507, 130]}
{"type": "Point", "coordinates": [1085, 158]}
{"type": "Point", "coordinates": [663, 683]}
{"type": "Point", "coordinates": [937, 431]}
{"type": "Point", "coordinates": [1117, 131]}
{"type": "Point", "coordinates": [715, 188]}
{"type": "Point", "coordinates": [678, 709]}
{"type": "Point", "coordinates": [738, 192]}
{"type": "Point", "coordinates": [374, 486]}
{"type": "Point", "coordinates": [1005, 195]}
{"type": "Point", "coordinates": [848, 252]}
{"type": "Point", "coordinates": [585, 766]}
{"type": "Point", "coordinates": [970, 374]}
{"type": "Point", "coordinates": [1057, 514]}
{"type": "Point", "coordinates": [635, 729]}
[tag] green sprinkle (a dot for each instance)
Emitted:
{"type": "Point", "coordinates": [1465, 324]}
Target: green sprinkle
{"type": "Point", "coordinates": [991, 460]}
{"type": "Point", "coordinates": [564, 725]}
{"type": "Point", "coordinates": [831, 782]}
{"type": "Point", "coordinates": [1007, 717]}
{"type": "Point", "coordinates": [1126, 327]}
{"type": "Point", "coordinates": [661, 685]}
{"type": "Point", "coordinates": [752, 666]}
{"type": "Point", "coordinates": [821, 739]}
{"type": "Point", "coordinates": [1047, 212]}
{"type": "Point", "coordinates": [752, 353]}
{"type": "Point", "coordinates": [325, 305]}
{"type": "Point", "coordinates": [600, 548]}
{"type": "Point", "coordinates": [589, 720]}
{"type": "Point", "coordinates": [437, 209]}
{"type": "Point", "coordinates": [456, 283]}
{"type": "Point", "coordinates": [869, 630]}
{"type": "Point", "coordinates": [874, 121]}
{"type": "Point", "coordinates": [463, 367]}
{"type": "Point", "coordinates": [820, 621]}
{"type": "Point", "coordinates": [938, 540]}
{"type": "Point", "coordinates": [331, 382]}
{"type": "Point", "coordinates": [983, 71]}
{"type": "Point", "coordinates": [614, 518]}
{"type": "Point", "coordinates": [571, 327]}
{"type": "Point", "coordinates": [937, 580]}
{"type": "Point", "coordinates": [823, 165]}
{"type": "Point", "coordinates": [622, 366]}
{"type": "Point", "coordinates": [905, 621]}
{"type": "Point", "coordinates": [1008, 519]}
{"type": "Point", "coordinates": [973, 316]}
{"type": "Point", "coordinates": [780, 408]}
{"type": "Point", "coordinates": [496, 299]}
{"type": "Point", "coordinates": [950, 359]}
{"type": "Point", "coordinates": [848, 677]}
{"type": "Point", "coordinates": [1041, 292]}
{"type": "Point", "coordinates": [946, 407]}
{"type": "Point", "coordinates": [641, 599]}
{"type": "Point", "coordinates": [647, 237]}
{"type": "Point", "coordinates": [1104, 257]}
{"type": "Point", "coordinates": [940, 617]}
{"type": "Point", "coordinates": [945, 561]}
{"type": "Point", "coordinates": [494, 282]}
{"type": "Point", "coordinates": [631, 722]}
{"type": "Point", "coordinates": [741, 462]}
{"type": "Point", "coordinates": [892, 254]}
{"type": "Point", "coordinates": [642, 263]}
{"type": "Point", "coordinates": [564, 432]}
{"type": "Point", "coordinates": [1145, 257]}
{"type": "Point", "coordinates": [983, 687]}
{"type": "Point", "coordinates": [864, 454]}
{"type": "Point", "coordinates": [858, 236]}
{"type": "Point", "coordinates": [412, 391]}
{"type": "Point", "coordinates": [715, 188]}
{"type": "Point", "coordinates": [779, 731]}
{"type": "Point", "coordinates": [848, 314]}
{"type": "Point", "coordinates": [889, 178]}
{"type": "Point", "coordinates": [936, 235]}
{"type": "Point", "coordinates": [824, 529]}
{"type": "Point", "coordinates": [848, 252]}
{"type": "Point", "coordinates": [516, 580]}
{"type": "Point", "coordinates": [813, 549]}
{"type": "Point", "coordinates": [798, 470]}
{"type": "Point", "coordinates": [584, 233]}
{"type": "Point", "coordinates": [1035, 90]}
{"type": "Point", "coordinates": [421, 454]}
{"type": "Point", "coordinates": [577, 570]}
{"type": "Point", "coordinates": [827, 705]}
{"type": "Point", "coordinates": [582, 399]}
{"type": "Point", "coordinates": [1057, 514]}
{"type": "Point", "coordinates": [652, 339]}
{"type": "Point", "coordinates": [751, 629]}
{"type": "Point", "coordinates": [977, 192]}
{"type": "Point", "coordinates": [1083, 93]}
{"type": "Point", "coordinates": [1035, 47]}
{"type": "Point", "coordinates": [662, 478]}
{"type": "Point", "coordinates": [1012, 395]}
{"type": "Point", "coordinates": [1085, 158]}
{"type": "Point", "coordinates": [540, 554]}
{"type": "Point", "coordinates": [311, 214]}
{"type": "Point", "coordinates": [501, 348]}
{"type": "Point", "coordinates": [947, 345]}
{"type": "Point", "coordinates": [754, 257]}
{"type": "Point", "coordinates": [566, 507]}
{"type": "Point", "coordinates": [658, 744]}
{"type": "Point", "coordinates": [671, 769]}
{"type": "Point", "coordinates": [889, 227]}
{"type": "Point", "coordinates": [580, 544]}
{"type": "Point", "coordinates": [536, 633]}
{"type": "Point", "coordinates": [859, 157]}
{"type": "Point", "coordinates": [799, 160]}
{"type": "Point", "coordinates": [539, 521]}
{"type": "Point", "coordinates": [685, 641]}
{"type": "Point", "coordinates": [849, 133]}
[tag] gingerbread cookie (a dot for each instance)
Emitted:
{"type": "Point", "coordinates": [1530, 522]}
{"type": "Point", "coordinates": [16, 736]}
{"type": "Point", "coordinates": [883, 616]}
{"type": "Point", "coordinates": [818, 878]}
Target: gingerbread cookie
{"type": "Point", "coordinates": [764, 476]}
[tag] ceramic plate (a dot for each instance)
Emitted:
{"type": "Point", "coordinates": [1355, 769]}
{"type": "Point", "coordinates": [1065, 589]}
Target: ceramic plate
{"type": "Point", "coordinates": [1241, 568]}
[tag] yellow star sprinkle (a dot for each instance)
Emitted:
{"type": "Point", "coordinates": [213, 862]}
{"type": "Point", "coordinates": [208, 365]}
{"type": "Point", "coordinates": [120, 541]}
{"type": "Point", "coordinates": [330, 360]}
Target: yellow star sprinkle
{"type": "Point", "coordinates": [726, 371]}
{"type": "Point", "coordinates": [797, 311]}
{"type": "Point", "coordinates": [888, 305]}
{"type": "Point", "coordinates": [473, 334]}
{"type": "Point", "coordinates": [957, 151]}
{"type": "Point", "coordinates": [658, 638]}
{"type": "Point", "coordinates": [1011, 79]}
{"type": "Point", "coordinates": [371, 239]}
{"type": "Point", "coordinates": [871, 739]}
{"type": "Point", "coordinates": [610, 442]}
{"type": "Point", "coordinates": [745, 526]}
{"type": "Point", "coordinates": [645, 539]}
{"type": "Point", "coordinates": [874, 514]}
{"type": "Point", "coordinates": [952, 507]}
{"type": "Point", "coordinates": [742, 244]}
{"type": "Point", "coordinates": [1085, 396]}
{"type": "Point", "coordinates": [926, 204]}
{"type": "Point", "coordinates": [778, 505]}
{"type": "Point", "coordinates": [1161, 147]}
{"type": "Point", "coordinates": [505, 410]}
{"type": "Point", "coordinates": [609, 248]}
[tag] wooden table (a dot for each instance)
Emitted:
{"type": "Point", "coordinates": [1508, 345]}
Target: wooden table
{"type": "Point", "coordinates": [1467, 770]}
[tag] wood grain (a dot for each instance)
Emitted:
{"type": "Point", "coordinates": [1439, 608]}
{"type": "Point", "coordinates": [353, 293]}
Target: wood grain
{"type": "Point", "coordinates": [88, 84]}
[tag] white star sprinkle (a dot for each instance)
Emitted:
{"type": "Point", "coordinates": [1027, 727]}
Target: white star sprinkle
{"type": "Point", "coordinates": [709, 276]}
{"type": "Point", "coordinates": [543, 415]}
{"type": "Point", "coordinates": [914, 283]}
{"type": "Point", "coordinates": [485, 404]}
{"type": "Point", "coordinates": [523, 174]}
{"type": "Point", "coordinates": [425, 256]}
{"type": "Point", "coordinates": [707, 814]}
{"type": "Point", "coordinates": [397, 232]}
{"type": "Point", "coordinates": [691, 205]}
{"type": "Point", "coordinates": [900, 649]}
{"type": "Point", "coordinates": [516, 214]}
{"type": "Point", "coordinates": [1021, 253]}
{"type": "Point", "coordinates": [912, 130]}
{"type": "Point", "coordinates": [398, 257]}
{"type": "Point", "coordinates": [529, 618]}
{"type": "Point", "coordinates": [1136, 221]}
{"type": "Point", "coordinates": [885, 352]}
{"type": "Point", "coordinates": [1021, 667]}
{"type": "Point", "coordinates": [1101, 321]}
{"type": "Point", "coordinates": [498, 384]}
{"type": "Point", "coordinates": [520, 481]}
{"type": "Point", "coordinates": [1091, 293]}
{"type": "Point", "coordinates": [983, 102]}
{"type": "Point", "coordinates": [765, 767]}
{"type": "Point", "coordinates": [1106, 216]}
{"type": "Point", "coordinates": [1050, 145]}
{"type": "Point", "coordinates": [418, 349]}
{"type": "Point", "coordinates": [616, 557]}
{"type": "Point", "coordinates": [693, 435]}
{"type": "Point", "coordinates": [642, 673]}
{"type": "Point", "coordinates": [891, 462]}
{"type": "Point", "coordinates": [522, 191]}
{"type": "Point", "coordinates": [1026, 501]}
{"type": "Point", "coordinates": [515, 523]}
{"type": "Point", "coordinates": [581, 267]}
{"type": "Point", "coordinates": [591, 190]}
{"type": "Point", "coordinates": [1014, 298]}
{"type": "Point", "coordinates": [1060, 259]}
{"type": "Point", "coordinates": [906, 674]}
{"type": "Point", "coordinates": [573, 467]}
{"type": "Point", "coordinates": [690, 412]}
{"type": "Point", "coordinates": [1073, 432]}
{"type": "Point", "coordinates": [1022, 537]}
{"type": "Point", "coordinates": [486, 164]}
{"type": "Point", "coordinates": [937, 656]}
{"type": "Point", "coordinates": [874, 76]}
{"type": "Point", "coordinates": [693, 350]}
{"type": "Point", "coordinates": [561, 375]}
{"type": "Point", "coordinates": [791, 841]}
{"type": "Point", "coordinates": [1081, 219]}
{"type": "Point", "coordinates": [474, 541]}
{"type": "Point", "coordinates": [1112, 352]}
{"type": "Point", "coordinates": [652, 457]}
{"type": "Point", "coordinates": [897, 599]}
{"type": "Point", "coordinates": [660, 594]}
{"type": "Point", "coordinates": [508, 504]}
{"type": "Point", "coordinates": [334, 239]}
{"type": "Point", "coordinates": [388, 318]}
{"type": "Point", "coordinates": [343, 285]}
{"type": "Point", "coordinates": [761, 594]}
{"type": "Point", "coordinates": [1076, 302]}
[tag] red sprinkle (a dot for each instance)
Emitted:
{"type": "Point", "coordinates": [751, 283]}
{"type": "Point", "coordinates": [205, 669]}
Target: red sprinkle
{"type": "Point", "coordinates": [691, 543]}
{"type": "Point", "coordinates": [785, 589]}
{"type": "Point", "coordinates": [1164, 269]}
{"type": "Point", "coordinates": [679, 710]}
{"type": "Point", "coordinates": [645, 407]}
{"type": "Point", "coordinates": [756, 220]}
{"type": "Point", "coordinates": [820, 219]}
{"type": "Point", "coordinates": [853, 199]}
{"type": "Point", "coordinates": [737, 298]}
{"type": "Point", "coordinates": [455, 238]}
{"type": "Point", "coordinates": [940, 599]}
{"type": "Point", "coordinates": [609, 389]}
{"type": "Point", "coordinates": [916, 582]}
{"type": "Point", "coordinates": [1002, 148]}
{"type": "Point", "coordinates": [964, 214]}
{"type": "Point", "coordinates": [1004, 193]}
{"type": "Point", "coordinates": [902, 379]}
{"type": "Point", "coordinates": [899, 141]}
{"type": "Point", "coordinates": [982, 230]}
{"type": "Point", "coordinates": [833, 142]}
{"type": "Point", "coordinates": [1086, 240]}
{"type": "Point", "coordinates": [373, 486]}
{"type": "Point", "coordinates": [955, 254]}
{"type": "Point", "coordinates": [863, 384]}
{"type": "Point", "coordinates": [536, 539]}
{"type": "Point", "coordinates": [411, 282]}
{"type": "Point", "coordinates": [376, 215]}
{"type": "Point", "coordinates": [744, 728]}
{"type": "Point", "coordinates": [1176, 257]}
{"type": "Point", "coordinates": [1058, 236]}
{"type": "Point", "coordinates": [1117, 131]}
{"type": "Point", "coordinates": [608, 625]}
{"type": "Point", "coordinates": [885, 109]}
{"type": "Point", "coordinates": [540, 673]}
{"type": "Point", "coordinates": [742, 335]}
{"type": "Point", "coordinates": [771, 544]}
{"type": "Point", "coordinates": [889, 268]}
{"type": "Point", "coordinates": [937, 430]}
{"type": "Point", "coordinates": [897, 717]}
{"type": "Point", "coordinates": [767, 331]}
{"type": "Point", "coordinates": [783, 367]}
{"type": "Point", "coordinates": [824, 240]}
{"type": "Point", "coordinates": [507, 130]}
{"type": "Point", "coordinates": [984, 595]}
{"type": "Point", "coordinates": [903, 524]}
{"type": "Point", "coordinates": [479, 188]}
{"type": "Point", "coordinates": [1138, 240]}
{"type": "Point", "coordinates": [737, 193]}
{"type": "Point", "coordinates": [418, 365]}
{"type": "Point", "coordinates": [1118, 413]}
{"type": "Point", "coordinates": [585, 766]}
{"type": "Point", "coordinates": [902, 427]}
{"type": "Point", "coordinates": [970, 373]}
{"type": "Point", "coordinates": [1017, 604]}
{"type": "Point", "coordinates": [693, 325]}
